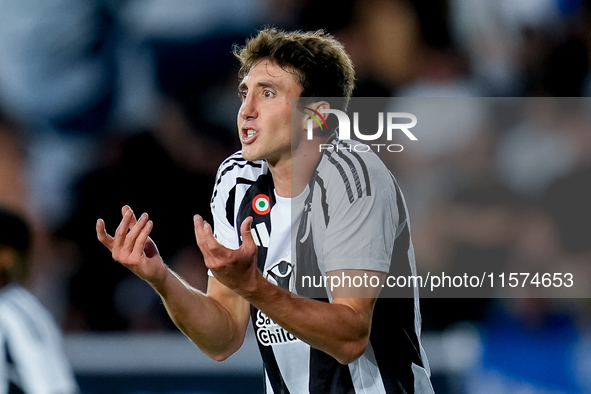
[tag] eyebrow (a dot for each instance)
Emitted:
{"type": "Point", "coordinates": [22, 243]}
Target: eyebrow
{"type": "Point", "coordinates": [269, 84]}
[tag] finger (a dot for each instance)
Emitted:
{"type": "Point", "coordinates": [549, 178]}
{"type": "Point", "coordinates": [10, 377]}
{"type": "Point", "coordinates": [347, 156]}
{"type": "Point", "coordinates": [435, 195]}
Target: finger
{"type": "Point", "coordinates": [102, 235]}
{"type": "Point", "coordinates": [198, 223]}
{"type": "Point", "coordinates": [245, 232]}
{"type": "Point", "coordinates": [207, 229]}
{"type": "Point", "coordinates": [198, 226]}
{"type": "Point", "coordinates": [203, 233]}
{"type": "Point", "coordinates": [133, 234]}
{"type": "Point", "coordinates": [133, 219]}
{"type": "Point", "coordinates": [121, 231]}
{"type": "Point", "coordinates": [142, 238]}
{"type": "Point", "coordinates": [124, 210]}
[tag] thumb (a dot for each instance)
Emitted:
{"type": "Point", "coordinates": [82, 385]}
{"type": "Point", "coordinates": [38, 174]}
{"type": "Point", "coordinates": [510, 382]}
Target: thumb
{"type": "Point", "coordinates": [245, 232]}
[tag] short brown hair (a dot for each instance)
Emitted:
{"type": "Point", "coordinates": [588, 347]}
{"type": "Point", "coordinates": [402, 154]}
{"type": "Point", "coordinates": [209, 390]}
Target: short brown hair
{"type": "Point", "coordinates": [321, 65]}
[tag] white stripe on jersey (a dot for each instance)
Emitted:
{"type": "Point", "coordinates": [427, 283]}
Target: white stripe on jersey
{"type": "Point", "coordinates": [263, 234]}
{"type": "Point", "coordinates": [422, 381]}
{"type": "Point", "coordinates": [34, 343]}
{"type": "Point", "coordinates": [295, 373]}
{"type": "Point", "coordinates": [366, 375]}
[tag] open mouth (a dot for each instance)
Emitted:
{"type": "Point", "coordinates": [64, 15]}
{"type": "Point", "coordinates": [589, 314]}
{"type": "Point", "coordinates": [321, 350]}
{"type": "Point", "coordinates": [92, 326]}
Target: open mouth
{"type": "Point", "coordinates": [248, 135]}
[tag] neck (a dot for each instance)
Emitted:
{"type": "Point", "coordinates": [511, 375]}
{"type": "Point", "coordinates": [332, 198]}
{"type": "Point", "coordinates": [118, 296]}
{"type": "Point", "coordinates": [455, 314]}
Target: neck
{"type": "Point", "coordinates": [281, 173]}
{"type": "Point", "coordinates": [291, 176]}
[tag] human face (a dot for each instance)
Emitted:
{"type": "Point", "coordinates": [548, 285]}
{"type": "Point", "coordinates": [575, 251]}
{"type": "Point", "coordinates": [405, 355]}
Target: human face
{"type": "Point", "coordinates": [264, 118]}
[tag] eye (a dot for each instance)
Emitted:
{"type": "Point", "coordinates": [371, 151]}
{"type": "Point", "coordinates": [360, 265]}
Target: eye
{"type": "Point", "coordinates": [268, 93]}
{"type": "Point", "coordinates": [242, 94]}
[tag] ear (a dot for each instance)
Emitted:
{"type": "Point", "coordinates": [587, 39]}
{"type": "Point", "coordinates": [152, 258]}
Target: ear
{"type": "Point", "coordinates": [315, 116]}
{"type": "Point", "coordinates": [319, 106]}
{"type": "Point", "coordinates": [322, 105]}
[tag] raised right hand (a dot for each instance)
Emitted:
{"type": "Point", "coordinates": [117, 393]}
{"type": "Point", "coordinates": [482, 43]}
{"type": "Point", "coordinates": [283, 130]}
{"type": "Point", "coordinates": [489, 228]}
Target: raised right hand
{"type": "Point", "coordinates": [133, 247]}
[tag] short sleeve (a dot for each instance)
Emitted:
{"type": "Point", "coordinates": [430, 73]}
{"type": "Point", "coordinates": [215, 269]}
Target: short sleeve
{"type": "Point", "coordinates": [223, 231]}
{"type": "Point", "coordinates": [360, 233]}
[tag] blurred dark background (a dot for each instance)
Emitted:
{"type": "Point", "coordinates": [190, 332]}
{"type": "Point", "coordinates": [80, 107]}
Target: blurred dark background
{"type": "Point", "coordinates": [105, 103]}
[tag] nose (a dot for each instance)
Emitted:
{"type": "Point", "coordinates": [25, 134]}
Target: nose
{"type": "Point", "coordinates": [248, 108]}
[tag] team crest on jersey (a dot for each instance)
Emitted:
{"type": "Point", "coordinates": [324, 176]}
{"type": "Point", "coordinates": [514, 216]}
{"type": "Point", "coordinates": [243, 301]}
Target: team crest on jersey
{"type": "Point", "coordinates": [281, 274]}
{"type": "Point", "coordinates": [261, 204]}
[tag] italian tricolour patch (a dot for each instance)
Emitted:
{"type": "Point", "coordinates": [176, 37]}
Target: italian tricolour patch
{"type": "Point", "coordinates": [261, 204]}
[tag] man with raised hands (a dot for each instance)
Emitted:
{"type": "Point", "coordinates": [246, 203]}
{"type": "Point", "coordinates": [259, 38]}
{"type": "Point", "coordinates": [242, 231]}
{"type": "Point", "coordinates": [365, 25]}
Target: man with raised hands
{"type": "Point", "coordinates": [353, 222]}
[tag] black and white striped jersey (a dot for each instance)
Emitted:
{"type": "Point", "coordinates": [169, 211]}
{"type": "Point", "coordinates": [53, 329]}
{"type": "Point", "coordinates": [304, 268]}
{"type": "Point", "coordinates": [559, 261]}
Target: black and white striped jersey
{"type": "Point", "coordinates": [32, 359]}
{"type": "Point", "coordinates": [352, 215]}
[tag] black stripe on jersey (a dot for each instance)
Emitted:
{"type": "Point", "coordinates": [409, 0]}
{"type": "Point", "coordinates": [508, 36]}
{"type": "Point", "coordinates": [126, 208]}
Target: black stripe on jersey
{"type": "Point", "coordinates": [7, 356]}
{"type": "Point", "coordinates": [270, 362]}
{"type": "Point", "coordinates": [322, 198]}
{"type": "Point", "coordinates": [343, 176]}
{"type": "Point", "coordinates": [395, 356]}
{"type": "Point", "coordinates": [328, 376]}
{"type": "Point", "coordinates": [237, 157]}
{"type": "Point", "coordinates": [402, 339]}
{"type": "Point", "coordinates": [263, 185]}
{"type": "Point", "coordinates": [398, 305]}
{"type": "Point", "coordinates": [399, 202]}
{"type": "Point", "coordinates": [396, 372]}
{"type": "Point", "coordinates": [14, 389]}
{"type": "Point", "coordinates": [353, 171]}
{"type": "Point", "coordinates": [244, 181]}
{"type": "Point", "coordinates": [11, 372]}
{"type": "Point", "coordinates": [232, 199]}
{"type": "Point", "coordinates": [230, 168]}
{"type": "Point", "coordinates": [230, 206]}
{"type": "Point", "coordinates": [362, 164]}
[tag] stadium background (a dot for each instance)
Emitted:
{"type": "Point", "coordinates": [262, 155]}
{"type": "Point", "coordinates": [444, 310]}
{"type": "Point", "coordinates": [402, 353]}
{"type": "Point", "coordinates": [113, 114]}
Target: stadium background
{"type": "Point", "coordinates": [106, 103]}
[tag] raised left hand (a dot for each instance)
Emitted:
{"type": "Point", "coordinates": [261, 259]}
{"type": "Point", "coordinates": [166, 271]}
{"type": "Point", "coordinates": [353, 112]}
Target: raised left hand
{"type": "Point", "coordinates": [235, 268]}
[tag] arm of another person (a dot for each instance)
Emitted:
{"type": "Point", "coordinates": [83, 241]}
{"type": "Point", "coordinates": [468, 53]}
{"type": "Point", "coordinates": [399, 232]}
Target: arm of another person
{"type": "Point", "coordinates": [216, 322]}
